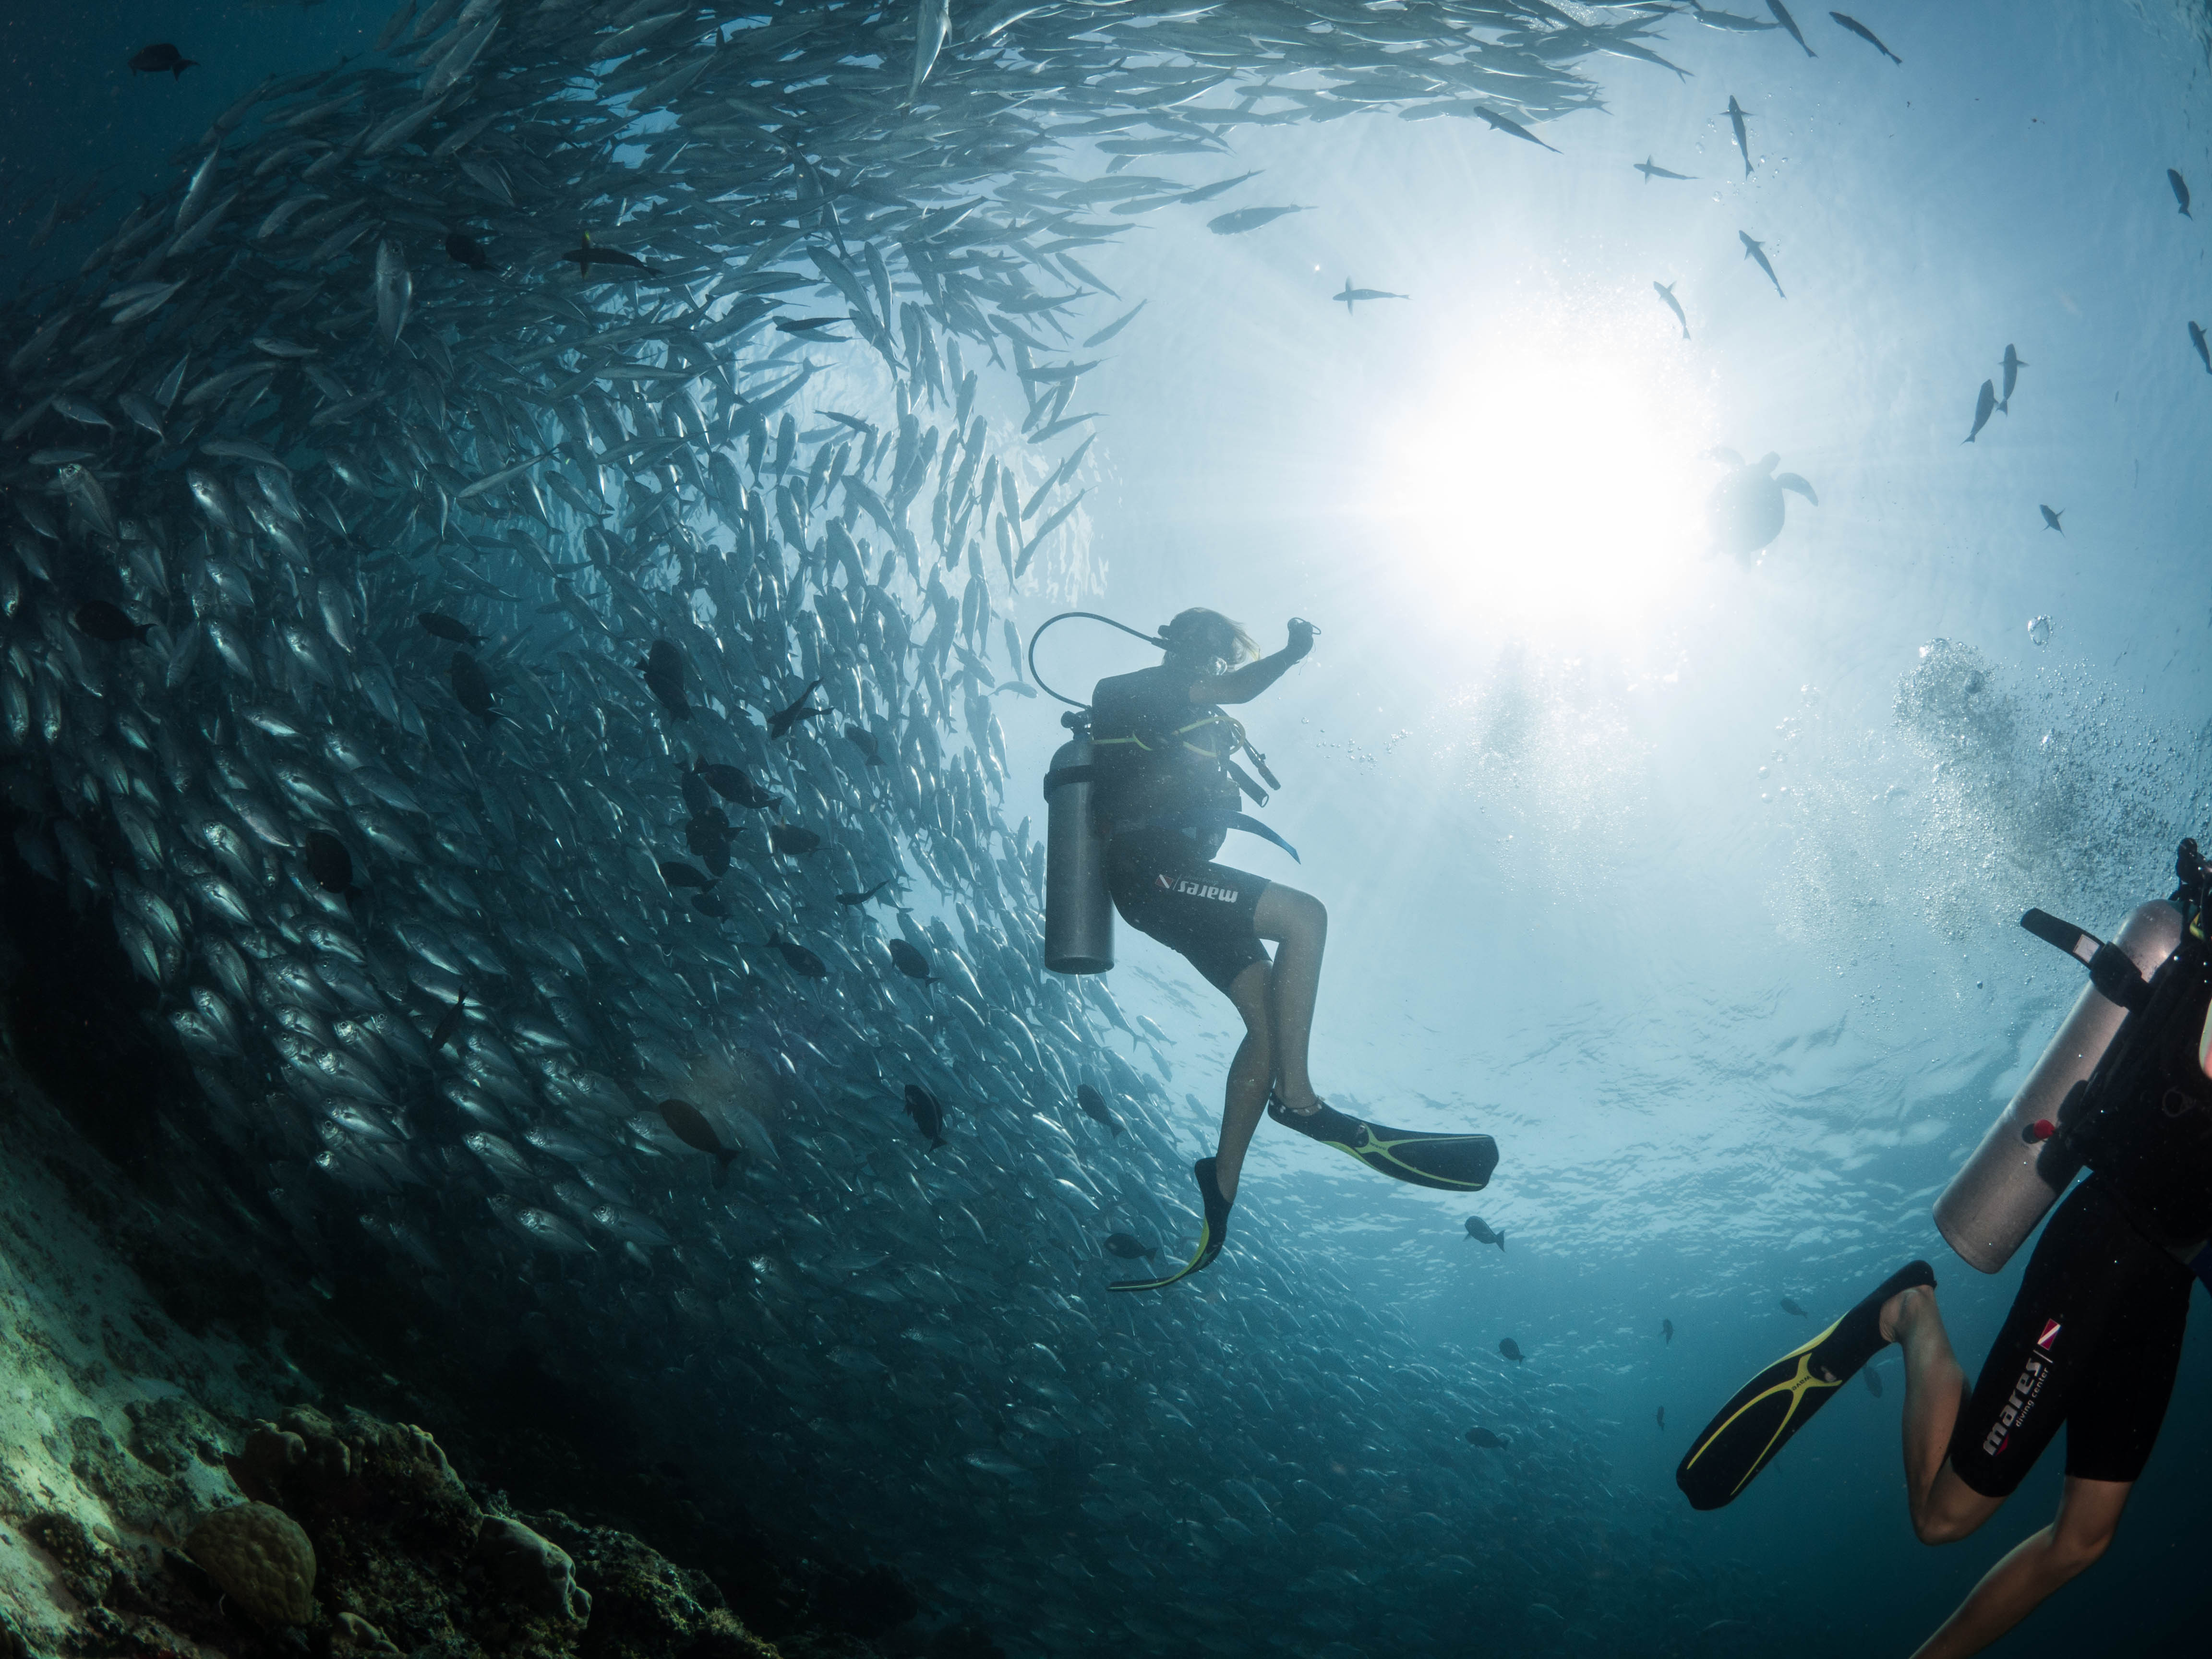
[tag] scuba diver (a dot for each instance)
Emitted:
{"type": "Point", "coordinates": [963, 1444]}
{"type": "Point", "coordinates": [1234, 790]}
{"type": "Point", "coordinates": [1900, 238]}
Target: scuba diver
{"type": "Point", "coordinates": [1166, 788]}
{"type": "Point", "coordinates": [2093, 1337]}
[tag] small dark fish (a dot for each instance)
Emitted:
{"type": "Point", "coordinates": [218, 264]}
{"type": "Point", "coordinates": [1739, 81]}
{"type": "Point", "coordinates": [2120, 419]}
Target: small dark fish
{"type": "Point", "coordinates": [1666, 291]}
{"type": "Point", "coordinates": [2012, 365]}
{"type": "Point", "coordinates": [1873, 1381]}
{"type": "Point", "coordinates": [2197, 339]}
{"type": "Point", "coordinates": [1487, 1440]}
{"type": "Point", "coordinates": [2050, 517]}
{"type": "Point", "coordinates": [864, 740]}
{"type": "Point", "coordinates": [791, 839]}
{"type": "Point", "coordinates": [449, 1023]}
{"type": "Point", "coordinates": [1479, 1230]}
{"type": "Point", "coordinates": [914, 964]}
{"type": "Point", "coordinates": [1781, 16]}
{"type": "Point", "coordinates": [98, 619]}
{"type": "Point", "coordinates": [783, 719]}
{"type": "Point", "coordinates": [663, 669]}
{"type": "Point", "coordinates": [152, 60]}
{"type": "Point", "coordinates": [2180, 192]}
{"type": "Point", "coordinates": [1985, 404]}
{"type": "Point", "coordinates": [735, 785]}
{"type": "Point", "coordinates": [1351, 295]}
{"type": "Point", "coordinates": [471, 688]}
{"type": "Point", "coordinates": [448, 628]}
{"type": "Point", "coordinates": [689, 1125]}
{"type": "Point", "coordinates": [1663, 1410]}
{"type": "Point", "coordinates": [588, 255]}
{"type": "Point", "coordinates": [809, 325]}
{"type": "Point", "coordinates": [859, 899]}
{"type": "Point", "coordinates": [1865, 35]}
{"type": "Point", "coordinates": [1130, 1249]}
{"type": "Point", "coordinates": [1511, 1350]}
{"type": "Point", "coordinates": [465, 250]}
{"type": "Point", "coordinates": [1499, 124]}
{"type": "Point", "coordinates": [1789, 1306]}
{"type": "Point", "coordinates": [676, 874]}
{"type": "Point", "coordinates": [708, 905]}
{"type": "Point", "coordinates": [1737, 116]}
{"type": "Point", "coordinates": [1650, 173]}
{"type": "Point", "coordinates": [698, 797]}
{"type": "Point", "coordinates": [929, 1116]}
{"type": "Point", "coordinates": [329, 863]}
{"type": "Point", "coordinates": [802, 961]}
{"type": "Point", "coordinates": [1666, 1330]}
{"type": "Point", "coordinates": [1753, 250]}
{"type": "Point", "coordinates": [1092, 1102]}
{"type": "Point", "coordinates": [707, 830]}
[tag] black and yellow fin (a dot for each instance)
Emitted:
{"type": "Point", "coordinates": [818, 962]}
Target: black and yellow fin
{"type": "Point", "coordinates": [1449, 1162]}
{"type": "Point", "coordinates": [1760, 1417]}
{"type": "Point", "coordinates": [1212, 1234]}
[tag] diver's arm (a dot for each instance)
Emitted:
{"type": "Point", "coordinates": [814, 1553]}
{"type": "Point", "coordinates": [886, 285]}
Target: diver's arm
{"type": "Point", "coordinates": [1242, 684]}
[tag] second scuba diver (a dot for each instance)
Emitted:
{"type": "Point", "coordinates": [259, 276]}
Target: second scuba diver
{"type": "Point", "coordinates": [1168, 790]}
{"type": "Point", "coordinates": [2093, 1337]}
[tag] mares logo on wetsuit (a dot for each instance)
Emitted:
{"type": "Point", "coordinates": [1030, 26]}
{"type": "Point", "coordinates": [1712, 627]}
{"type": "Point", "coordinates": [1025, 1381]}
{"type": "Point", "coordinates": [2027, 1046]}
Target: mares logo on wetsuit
{"type": "Point", "coordinates": [1185, 885]}
{"type": "Point", "coordinates": [2024, 1393]}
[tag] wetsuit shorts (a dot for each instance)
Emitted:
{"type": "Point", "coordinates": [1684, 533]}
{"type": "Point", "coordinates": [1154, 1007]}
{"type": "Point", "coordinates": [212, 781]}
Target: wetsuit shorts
{"type": "Point", "coordinates": [1201, 910]}
{"type": "Point", "coordinates": [2093, 1341]}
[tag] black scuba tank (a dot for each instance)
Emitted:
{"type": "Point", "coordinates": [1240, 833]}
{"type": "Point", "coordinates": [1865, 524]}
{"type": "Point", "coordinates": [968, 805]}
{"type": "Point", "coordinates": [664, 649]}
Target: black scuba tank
{"type": "Point", "coordinates": [1078, 914]}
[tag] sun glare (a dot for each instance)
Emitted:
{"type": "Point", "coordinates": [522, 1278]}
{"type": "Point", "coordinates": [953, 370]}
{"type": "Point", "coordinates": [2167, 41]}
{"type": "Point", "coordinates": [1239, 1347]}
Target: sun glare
{"type": "Point", "coordinates": [1550, 476]}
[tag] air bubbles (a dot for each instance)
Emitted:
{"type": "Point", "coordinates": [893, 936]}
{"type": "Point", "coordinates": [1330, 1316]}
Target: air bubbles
{"type": "Point", "coordinates": [2038, 630]}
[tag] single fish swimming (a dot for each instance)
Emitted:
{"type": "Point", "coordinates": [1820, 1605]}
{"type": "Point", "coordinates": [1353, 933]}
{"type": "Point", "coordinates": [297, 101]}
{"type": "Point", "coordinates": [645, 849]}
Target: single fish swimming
{"type": "Point", "coordinates": [2180, 192]}
{"type": "Point", "coordinates": [153, 59]}
{"type": "Point", "coordinates": [1737, 116]}
{"type": "Point", "coordinates": [1755, 250]}
{"type": "Point", "coordinates": [1985, 403]}
{"type": "Point", "coordinates": [1499, 124]}
{"type": "Point", "coordinates": [2197, 339]}
{"type": "Point", "coordinates": [2013, 364]}
{"type": "Point", "coordinates": [1666, 291]}
{"type": "Point", "coordinates": [1789, 1306]}
{"type": "Point", "coordinates": [1650, 172]}
{"type": "Point", "coordinates": [2050, 517]}
{"type": "Point", "coordinates": [1351, 295]}
{"type": "Point", "coordinates": [1865, 35]}
{"type": "Point", "coordinates": [1511, 1350]}
{"type": "Point", "coordinates": [1479, 1230]}
{"type": "Point", "coordinates": [1781, 16]}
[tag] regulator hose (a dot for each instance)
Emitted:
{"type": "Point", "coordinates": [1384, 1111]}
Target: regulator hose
{"type": "Point", "coordinates": [1152, 640]}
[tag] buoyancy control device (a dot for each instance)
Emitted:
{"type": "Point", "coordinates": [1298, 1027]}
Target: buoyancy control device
{"type": "Point", "coordinates": [1079, 913]}
{"type": "Point", "coordinates": [2121, 1089]}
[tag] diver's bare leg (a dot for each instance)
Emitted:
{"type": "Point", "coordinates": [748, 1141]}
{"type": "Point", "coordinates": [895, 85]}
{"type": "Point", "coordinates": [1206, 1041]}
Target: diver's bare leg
{"type": "Point", "coordinates": [2089, 1513]}
{"type": "Point", "coordinates": [1249, 1074]}
{"type": "Point", "coordinates": [1944, 1508]}
{"type": "Point", "coordinates": [1299, 923]}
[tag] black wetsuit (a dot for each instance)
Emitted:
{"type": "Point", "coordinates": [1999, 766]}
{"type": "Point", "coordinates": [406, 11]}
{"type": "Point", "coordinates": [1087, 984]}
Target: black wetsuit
{"type": "Point", "coordinates": [1160, 756]}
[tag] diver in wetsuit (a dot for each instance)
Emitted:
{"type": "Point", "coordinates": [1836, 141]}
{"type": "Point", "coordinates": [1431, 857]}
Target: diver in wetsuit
{"type": "Point", "coordinates": [1167, 788]}
{"type": "Point", "coordinates": [1166, 752]}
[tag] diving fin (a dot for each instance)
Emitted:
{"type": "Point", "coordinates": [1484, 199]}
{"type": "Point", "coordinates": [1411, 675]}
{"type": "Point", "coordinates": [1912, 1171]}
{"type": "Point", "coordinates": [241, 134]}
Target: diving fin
{"type": "Point", "coordinates": [1758, 1422]}
{"type": "Point", "coordinates": [1212, 1234]}
{"type": "Point", "coordinates": [1450, 1162]}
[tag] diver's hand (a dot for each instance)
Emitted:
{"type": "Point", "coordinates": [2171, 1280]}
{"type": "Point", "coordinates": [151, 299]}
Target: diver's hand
{"type": "Point", "coordinates": [1302, 639]}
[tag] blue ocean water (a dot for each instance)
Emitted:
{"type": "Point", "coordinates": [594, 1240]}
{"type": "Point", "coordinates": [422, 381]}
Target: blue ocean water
{"type": "Point", "coordinates": [1692, 879]}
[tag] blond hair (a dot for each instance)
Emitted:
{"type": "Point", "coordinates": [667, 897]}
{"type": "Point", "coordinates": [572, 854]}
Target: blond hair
{"type": "Point", "coordinates": [1201, 632]}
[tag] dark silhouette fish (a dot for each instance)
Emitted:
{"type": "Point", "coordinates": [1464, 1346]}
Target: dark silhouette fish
{"type": "Point", "coordinates": [1754, 250]}
{"type": "Point", "coordinates": [2050, 517]}
{"type": "Point", "coordinates": [153, 59]}
{"type": "Point", "coordinates": [1666, 291]}
{"type": "Point", "coordinates": [1985, 404]}
{"type": "Point", "coordinates": [2197, 339]}
{"type": "Point", "coordinates": [1351, 295]}
{"type": "Point", "coordinates": [448, 628]}
{"type": "Point", "coordinates": [1479, 1230]}
{"type": "Point", "coordinates": [1865, 35]}
{"type": "Point", "coordinates": [735, 785]}
{"type": "Point", "coordinates": [858, 899]}
{"type": "Point", "coordinates": [909, 961]}
{"type": "Point", "coordinates": [1737, 116]}
{"type": "Point", "coordinates": [1487, 1440]}
{"type": "Point", "coordinates": [471, 688]}
{"type": "Point", "coordinates": [1094, 1106]}
{"type": "Point", "coordinates": [663, 669]}
{"type": "Point", "coordinates": [698, 797]}
{"type": "Point", "coordinates": [809, 325]}
{"type": "Point", "coordinates": [864, 740]}
{"type": "Point", "coordinates": [1781, 16]}
{"type": "Point", "coordinates": [1650, 173]}
{"type": "Point", "coordinates": [801, 961]}
{"type": "Point", "coordinates": [1499, 124]}
{"type": "Point", "coordinates": [97, 619]}
{"type": "Point", "coordinates": [329, 863]}
{"type": "Point", "coordinates": [449, 1023]}
{"type": "Point", "coordinates": [589, 254]}
{"type": "Point", "coordinates": [689, 1125]}
{"type": "Point", "coordinates": [781, 722]}
{"type": "Point", "coordinates": [2012, 366]}
{"type": "Point", "coordinates": [465, 250]}
{"type": "Point", "coordinates": [1791, 1307]}
{"type": "Point", "coordinates": [2180, 192]}
{"type": "Point", "coordinates": [1666, 1330]}
{"type": "Point", "coordinates": [1130, 1249]}
{"type": "Point", "coordinates": [929, 1116]}
{"type": "Point", "coordinates": [708, 905]}
{"type": "Point", "coordinates": [1511, 1350]}
{"type": "Point", "coordinates": [791, 839]}
{"type": "Point", "coordinates": [676, 874]}
{"type": "Point", "coordinates": [709, 837]}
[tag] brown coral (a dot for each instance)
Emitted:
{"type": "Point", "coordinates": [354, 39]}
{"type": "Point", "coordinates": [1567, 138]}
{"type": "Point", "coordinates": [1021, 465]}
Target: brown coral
{"type": "Point", "coordinates": [262, 1559]}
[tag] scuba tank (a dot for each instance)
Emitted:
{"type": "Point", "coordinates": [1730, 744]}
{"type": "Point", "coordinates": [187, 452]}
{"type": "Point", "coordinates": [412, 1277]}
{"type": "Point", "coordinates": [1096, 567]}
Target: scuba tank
{"type": "Point", "coordinates": [1078, 915]}
{"type": "Point", "coordinates": [2122, 1090]}
{"type": "Point", "coordinates": [2001, 1194]}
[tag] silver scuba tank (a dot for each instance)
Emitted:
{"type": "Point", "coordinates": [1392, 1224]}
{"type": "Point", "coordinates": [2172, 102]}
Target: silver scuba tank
{"type": "Point", "coordinates": [1078, 915]}
{"type": "Point", "coordinates": [1999, 1194]}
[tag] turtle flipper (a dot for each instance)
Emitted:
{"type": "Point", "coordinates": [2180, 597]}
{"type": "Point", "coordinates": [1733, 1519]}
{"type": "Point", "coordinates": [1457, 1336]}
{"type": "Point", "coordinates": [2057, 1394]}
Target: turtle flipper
{"type": "Point", "coordinates": [1792, 481]}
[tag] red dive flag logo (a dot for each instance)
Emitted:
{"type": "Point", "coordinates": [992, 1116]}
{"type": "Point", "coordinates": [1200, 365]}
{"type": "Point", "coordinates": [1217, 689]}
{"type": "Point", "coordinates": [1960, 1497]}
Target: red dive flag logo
{"type": "Point", "coordinates": [2051, 1328]}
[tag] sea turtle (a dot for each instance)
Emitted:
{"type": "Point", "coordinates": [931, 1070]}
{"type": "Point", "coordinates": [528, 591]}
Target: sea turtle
{"type": "Point", "coordinates": [1746, 506]}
